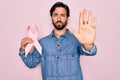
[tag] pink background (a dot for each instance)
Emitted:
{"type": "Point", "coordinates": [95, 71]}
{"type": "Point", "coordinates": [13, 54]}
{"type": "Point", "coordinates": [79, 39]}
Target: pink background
{"type": "Point", "coordinates": [16, 15]}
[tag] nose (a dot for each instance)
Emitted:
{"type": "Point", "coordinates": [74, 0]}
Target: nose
{"type": "Point", "coordinates": [59, 18]}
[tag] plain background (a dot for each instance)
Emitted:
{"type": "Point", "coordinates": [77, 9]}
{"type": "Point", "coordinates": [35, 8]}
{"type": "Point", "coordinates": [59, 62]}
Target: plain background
{"type": "Point", "coordinates": [16, 15]}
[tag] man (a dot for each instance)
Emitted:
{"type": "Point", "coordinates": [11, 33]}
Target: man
{"type": "Point", "coordinates": [61, 49]}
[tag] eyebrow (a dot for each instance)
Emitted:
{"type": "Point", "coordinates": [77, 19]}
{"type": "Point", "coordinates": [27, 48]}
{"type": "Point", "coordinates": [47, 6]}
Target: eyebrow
{"type": "Point", "coordinates": [54, 13]}
{"type": "Point", "coordinates": [61, 14]}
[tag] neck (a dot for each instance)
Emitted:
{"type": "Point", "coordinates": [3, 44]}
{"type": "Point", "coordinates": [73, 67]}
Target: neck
{"type": "Point", "coordinates": [58, 33]}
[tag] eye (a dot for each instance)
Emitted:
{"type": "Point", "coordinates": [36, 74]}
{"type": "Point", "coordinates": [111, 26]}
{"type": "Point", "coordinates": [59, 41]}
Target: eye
{"type": "Point", "coordinates": [54, 15]}
{"type": "Point", "coordinates": [63, 15]}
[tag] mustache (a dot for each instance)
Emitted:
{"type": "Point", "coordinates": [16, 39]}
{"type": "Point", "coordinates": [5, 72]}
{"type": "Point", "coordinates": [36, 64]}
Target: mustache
{"type": "Point", "coordinates": [59, 21]}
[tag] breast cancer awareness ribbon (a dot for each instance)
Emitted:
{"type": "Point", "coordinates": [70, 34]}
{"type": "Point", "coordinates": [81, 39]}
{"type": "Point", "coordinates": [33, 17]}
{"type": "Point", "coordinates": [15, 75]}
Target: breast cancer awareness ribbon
{"type": "Point", "coordinates": [34, 36]}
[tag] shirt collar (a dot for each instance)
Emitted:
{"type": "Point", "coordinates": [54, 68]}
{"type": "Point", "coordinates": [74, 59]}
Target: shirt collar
{"type": "Point", "coordinates": [66, 35]}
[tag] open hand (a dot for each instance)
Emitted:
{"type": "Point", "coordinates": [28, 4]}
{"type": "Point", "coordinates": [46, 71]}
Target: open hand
{"type": "Point", "coordinates": [86, 33]}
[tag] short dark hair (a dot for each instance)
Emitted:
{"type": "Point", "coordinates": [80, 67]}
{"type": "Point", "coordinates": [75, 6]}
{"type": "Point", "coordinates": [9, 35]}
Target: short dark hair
{"type": "Point", "coordinates": [60, 4]}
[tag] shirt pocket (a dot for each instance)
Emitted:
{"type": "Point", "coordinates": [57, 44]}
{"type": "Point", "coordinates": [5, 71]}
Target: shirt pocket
{"type": "Point", "coordinates": [59, 66]}
{"type": "Point", "coordinates": [73, 65]}
{"type": "Point", "coordinates": [68, 65]}
{"type": "Point", "coordinates": [51, 67]}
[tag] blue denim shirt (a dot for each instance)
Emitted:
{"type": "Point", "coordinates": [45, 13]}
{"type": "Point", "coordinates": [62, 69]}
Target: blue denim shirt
{"type": "Point", "coordinates": [60, 59]}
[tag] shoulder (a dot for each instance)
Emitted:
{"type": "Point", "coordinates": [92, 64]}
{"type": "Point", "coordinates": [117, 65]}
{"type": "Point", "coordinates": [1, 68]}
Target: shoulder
{"type": "Point", "coordinates": [45, 39]}
{"type": "Point", "coordinates": [73, 39]}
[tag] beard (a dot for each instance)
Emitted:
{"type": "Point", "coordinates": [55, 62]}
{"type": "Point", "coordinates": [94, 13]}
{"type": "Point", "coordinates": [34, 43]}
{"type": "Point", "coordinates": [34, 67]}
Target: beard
{"type": "Point", "coordinates": [59, 26]}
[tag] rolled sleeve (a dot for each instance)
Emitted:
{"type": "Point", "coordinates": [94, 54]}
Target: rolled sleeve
{"type": "Point", "coordinates": [31, 60]}
{"type": "Point", "coordinates": [92, 52]}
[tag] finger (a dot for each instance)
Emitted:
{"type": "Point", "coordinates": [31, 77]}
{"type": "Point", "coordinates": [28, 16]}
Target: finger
{"type": "Point", "coordinates": [22, 48]}
{"type": "Point", "coordinates": [90, 17]}
{"type": "Point", "coordinates": [85, 19]}
{"type": "Point", "coordinates": [94, 22]}
{"type": "Point", "coordinates": [26, 40]}
{"type": "Point", "coordinates": [29, 41]}
{"type": "Point", "coordinates": [81, 19]}
{"type": "Point", "coordinates": [26, 43]}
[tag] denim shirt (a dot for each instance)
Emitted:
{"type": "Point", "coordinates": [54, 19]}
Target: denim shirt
{"type": "Point", "coordinates": [60, 57]}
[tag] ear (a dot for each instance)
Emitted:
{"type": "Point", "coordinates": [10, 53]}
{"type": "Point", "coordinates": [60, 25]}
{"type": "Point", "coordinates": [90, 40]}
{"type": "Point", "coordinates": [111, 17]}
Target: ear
{"type": "Point", "coordinates": [51, 17]}
{"type": "Point", "coordinates": [67, 18]}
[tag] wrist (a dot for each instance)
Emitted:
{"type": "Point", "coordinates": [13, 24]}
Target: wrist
{"type": "Point", "coordinates": [22, 49]}
{"type": "Point", "coordinates": [88, 47]}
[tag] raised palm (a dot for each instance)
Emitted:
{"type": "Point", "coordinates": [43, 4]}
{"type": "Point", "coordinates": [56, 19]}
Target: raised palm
{"type": "Point", "coordinates": [86, 33]}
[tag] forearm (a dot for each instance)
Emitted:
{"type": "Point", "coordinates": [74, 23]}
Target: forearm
{"type": "Point", "coordinates": [31, 60]}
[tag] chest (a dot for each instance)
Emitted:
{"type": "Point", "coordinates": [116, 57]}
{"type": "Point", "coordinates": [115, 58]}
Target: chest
{"type": "Point", "coordinates": [59, 47]}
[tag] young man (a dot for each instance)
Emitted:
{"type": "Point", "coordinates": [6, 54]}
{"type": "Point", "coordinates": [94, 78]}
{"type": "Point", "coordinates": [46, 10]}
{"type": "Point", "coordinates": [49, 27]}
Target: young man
{"type": "Point", "coordinates": [61, 49]}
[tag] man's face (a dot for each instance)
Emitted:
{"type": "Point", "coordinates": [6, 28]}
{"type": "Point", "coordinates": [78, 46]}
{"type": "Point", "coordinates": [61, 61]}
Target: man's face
{"type": "Point", "coordinates": [59, 18]}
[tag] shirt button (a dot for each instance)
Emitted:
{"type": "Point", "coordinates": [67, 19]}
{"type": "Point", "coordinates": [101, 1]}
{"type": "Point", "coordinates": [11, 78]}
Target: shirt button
{"type": "Point", "coordinates": [45, 58]}
{"type": "Point", "coordinates": [58, 45]}
{"type": "Point", "coordinates": [72, 55]}
{"type": "Point", "coordinates": [57, 57]}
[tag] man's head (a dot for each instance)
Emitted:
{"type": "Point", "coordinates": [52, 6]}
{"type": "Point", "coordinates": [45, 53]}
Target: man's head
{"type": "Point", "coordinates": [59, 14]}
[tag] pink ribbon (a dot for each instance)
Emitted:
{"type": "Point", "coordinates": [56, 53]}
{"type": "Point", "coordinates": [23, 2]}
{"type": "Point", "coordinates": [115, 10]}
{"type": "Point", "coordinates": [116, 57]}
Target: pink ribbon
{"type": "Point", "coordinates": [34, 36]}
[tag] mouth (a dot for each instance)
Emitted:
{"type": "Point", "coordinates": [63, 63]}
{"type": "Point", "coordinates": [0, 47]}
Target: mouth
{"type": "Point", "coordinates": [59, 23]}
